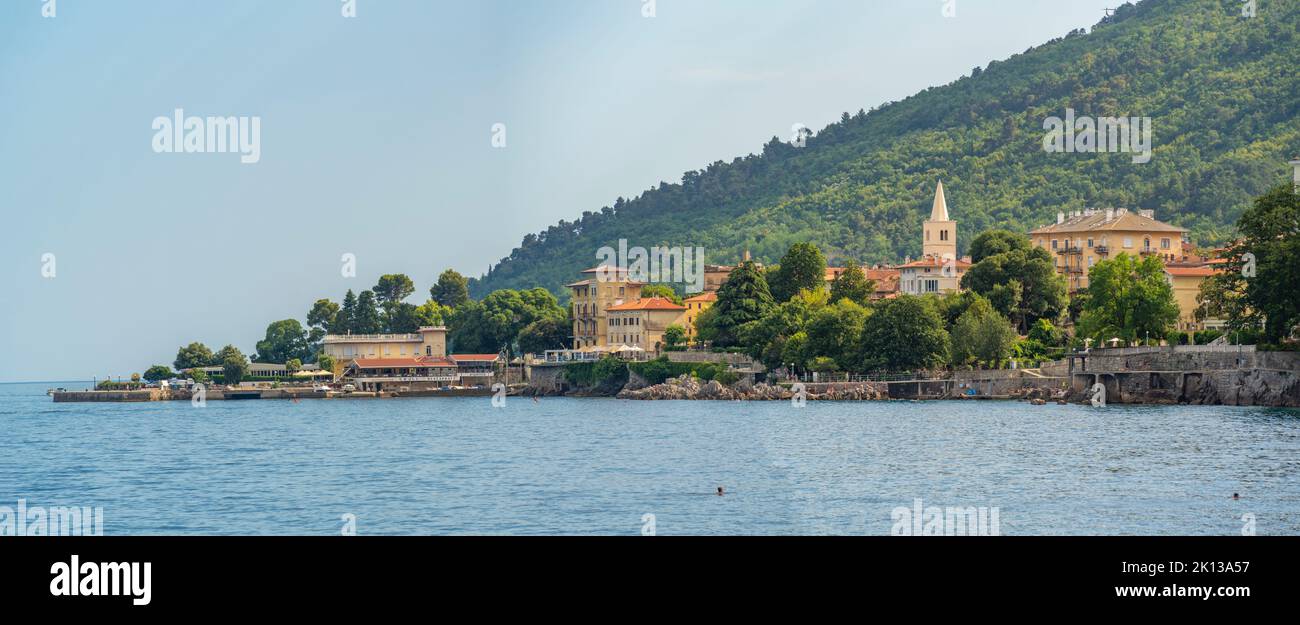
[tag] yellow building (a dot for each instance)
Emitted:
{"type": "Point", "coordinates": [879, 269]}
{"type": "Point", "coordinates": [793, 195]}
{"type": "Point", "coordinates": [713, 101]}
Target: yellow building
{"type": "Point", "coordinates": [1084, 238]}
{"type": "Point", "coordinates": [694, 306]}
{"type": "Point", "coordinates": [430, 341]}
{"type": "Point", "coordinates": [642, 323]}
{"type": "Point", "coordinates": [591, 297]}
{"type": "Point", "coordinates": [1186, 282]}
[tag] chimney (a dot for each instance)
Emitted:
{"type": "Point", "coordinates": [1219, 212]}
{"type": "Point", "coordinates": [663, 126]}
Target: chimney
{"type": "Point", "coordinates": [1148, 213]}
{"type": "Point", "coordinates": [1060, 218]}
{"type": "Point", "coordinates": [1110, 214]}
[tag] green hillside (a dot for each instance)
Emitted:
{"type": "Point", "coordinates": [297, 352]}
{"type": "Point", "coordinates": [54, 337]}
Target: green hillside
{"type": "Point", "coordinates": [1223, 92]}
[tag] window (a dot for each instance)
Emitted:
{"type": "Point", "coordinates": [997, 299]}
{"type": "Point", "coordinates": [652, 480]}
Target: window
{"type": "Point", "coordinates": [1164, 244]}
{"type": "Point", "coordinates": [1128, 242]}
{"type": "Point", "coordinates": [1053, 243]}
{"type": "Point", "coordinates": [1089, 242]}
{"type": "Point", "coordinates": [927, 235]}
{"type": "Point", "coordinates": [428, 350]}
{"type": "Point", "coordinates": [1146, 244]}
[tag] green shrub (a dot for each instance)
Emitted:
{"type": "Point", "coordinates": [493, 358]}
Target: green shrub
{"type": "Point", "coordinates": [606, 372]}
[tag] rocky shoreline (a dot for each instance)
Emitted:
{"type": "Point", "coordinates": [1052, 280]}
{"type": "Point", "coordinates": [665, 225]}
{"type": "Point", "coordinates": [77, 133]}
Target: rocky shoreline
{"type": "Point", "coordinates": [690, 388]}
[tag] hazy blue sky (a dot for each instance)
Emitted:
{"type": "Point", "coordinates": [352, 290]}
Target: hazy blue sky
{"type": "Point", "coordinates": [376, 139]}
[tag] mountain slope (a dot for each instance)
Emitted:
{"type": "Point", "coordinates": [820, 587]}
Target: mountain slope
{"type": "Point", "coordinates": [1223, 93]}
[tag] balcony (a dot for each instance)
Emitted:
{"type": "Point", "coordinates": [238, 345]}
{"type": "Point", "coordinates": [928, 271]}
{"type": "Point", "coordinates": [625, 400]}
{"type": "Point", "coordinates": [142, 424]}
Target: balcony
{"type": "Point", "coordinates": [1102, 250]}
{"type": "Point", "coordinates": [1147, 251]}
{"type": "Point", "coordinates": [1074, 270]}
{"type": "Point", "coordinates": [1070, 249]}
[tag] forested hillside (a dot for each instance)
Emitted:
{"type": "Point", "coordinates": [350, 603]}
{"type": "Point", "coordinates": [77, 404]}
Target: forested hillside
{"type": "Point", "coordinates": [1221, 90]}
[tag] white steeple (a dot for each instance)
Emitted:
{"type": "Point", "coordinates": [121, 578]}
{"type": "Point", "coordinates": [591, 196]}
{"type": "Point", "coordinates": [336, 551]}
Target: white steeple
{"type": "Point", "coordinates": [939, 233]}
{"type": "Point", "coordinates": [939, 212]}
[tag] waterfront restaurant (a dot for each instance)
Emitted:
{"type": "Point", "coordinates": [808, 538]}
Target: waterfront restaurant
{"type": "Point", "coordinates": [476, 369]}
{"type": "Point", "coordinates": [421, 373]}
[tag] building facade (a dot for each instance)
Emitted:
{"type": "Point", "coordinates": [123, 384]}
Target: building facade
{"type": "Point", "coordinates": [1186, 283]}
{"type": "Point", "coordinates": [1084, 238]}
{"type": "Point", "coordinates": [642, 323]}
{"type": "Point", "coordinates": [932, 275]}
{"type": "Point", "coordinates": [591, 298]}
{"type": "Point", "coordinates": [694, 306]}
{"type": "Point", "coordinates": [428, 342]}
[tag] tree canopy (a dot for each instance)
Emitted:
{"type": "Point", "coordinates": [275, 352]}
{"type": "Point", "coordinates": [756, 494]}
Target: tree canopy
{"type": "Point", "coordinates": [1128, 298]}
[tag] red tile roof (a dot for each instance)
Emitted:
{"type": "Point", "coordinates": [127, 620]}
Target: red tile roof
{"type": "Point", "coordinates": [1192, 272]}
{"type": "Point", "coordinates": [649, 303]}
{"type": "Point", "coordinates": [934, 261]}
{"type": "Point", "coordinates": [398, 363]}
{"type": "Point", "coordinates": [711, 296]}
{"type": "Point", "coordinates": [475, 357]}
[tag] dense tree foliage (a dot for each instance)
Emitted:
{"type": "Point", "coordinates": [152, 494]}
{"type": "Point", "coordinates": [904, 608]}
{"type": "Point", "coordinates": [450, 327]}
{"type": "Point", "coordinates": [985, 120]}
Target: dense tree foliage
{"type": "Point", "coordinates": [451, 290]}
{"type": "Point", "coordinates": [852, 284]}
{"type": "Point", "coordinates": [1220, 89]}
{"type": "Point", "coordinates": [991, 242]}
{"type": "Point", "coordinates": [742, 300]}
{"type": "Point", "coordinates": [158, 372]}
{"type": "Point", "coordinates": [285, 340]}
{"type": "Point", "coordinates": [802, 268]}
{"type": "Point", "coordinates": [661, 290]}
{"type": "Point", "coordinates": [194, 355]}
{"type": "Point", "coordinates": [1130, 299]}
{"type": "Point", "coordinates": [321, 319]}
{"type": "Point", "coordinates": [982, 336]}
{"type": "Point", "coordinates": [1021, 282]}
{"type": "Point", "coordinates": [1260, 285]}
{"type": "Point", "coordinates": [903, 334]}
{"type": "Point", "coordinates": [497, 321]}
{"type": "Point", "coordinates": [234, 366]}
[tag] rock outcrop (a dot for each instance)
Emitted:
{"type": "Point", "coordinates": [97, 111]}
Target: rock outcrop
{"type": "Point", "coordinates": [689, 388]}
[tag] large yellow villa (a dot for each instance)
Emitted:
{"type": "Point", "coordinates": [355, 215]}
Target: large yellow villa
{"type": "Point", "coordinates": [591, 298]}
{"type": "Point", "coordinates": [1081, 239]}
{"type": "Point", "coordinates": [640, 325]}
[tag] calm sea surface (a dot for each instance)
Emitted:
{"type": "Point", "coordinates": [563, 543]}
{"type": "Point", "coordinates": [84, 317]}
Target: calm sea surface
{"type": "Point", "coordinates": [598, 466]}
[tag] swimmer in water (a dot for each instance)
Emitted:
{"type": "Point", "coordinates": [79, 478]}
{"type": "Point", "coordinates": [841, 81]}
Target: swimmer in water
{"type": "Point", "coordinates": [719, 491]}
{"type": "Point", "coordinates": [1236, 497]}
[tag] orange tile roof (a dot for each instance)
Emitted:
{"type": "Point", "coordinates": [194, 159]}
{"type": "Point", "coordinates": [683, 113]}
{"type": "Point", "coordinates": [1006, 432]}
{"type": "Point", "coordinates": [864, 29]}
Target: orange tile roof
{"type": "Point", "coordinates": [650, 303]}
{"type": "Point", "coordinates": [934, 261]}
{"type": "Point", "coordinates": [1192, 272]}
{"type": "Point", "coordinates": [397, 363]}
{"type": "Point", "coordinates": [475, 357]}
{"type": "Point", "coordinates": [711, 296]}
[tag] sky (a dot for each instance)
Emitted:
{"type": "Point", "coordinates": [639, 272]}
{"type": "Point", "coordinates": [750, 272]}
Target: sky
{"type": "Point", "coordinates": [376, 139]}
